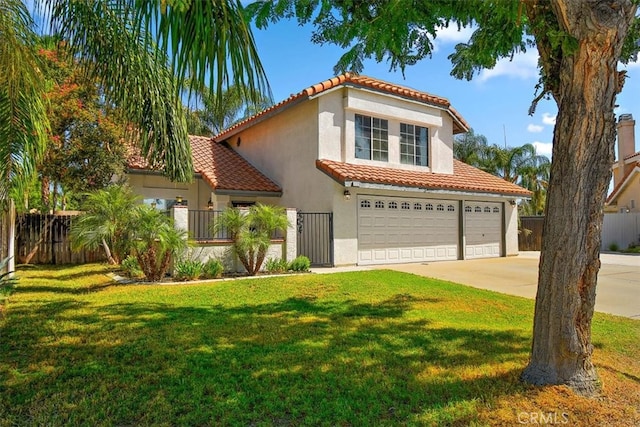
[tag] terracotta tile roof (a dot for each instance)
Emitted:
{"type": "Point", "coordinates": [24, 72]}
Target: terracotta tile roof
{"type": "Point", "coordinates": [637, 153]}
{"type": "Point", "coordinates": [349, 79]}
{"type": "Point", "coordinates": [220, 166]}
{"type": "Point", "coordinates": [464, 178]}
{"type": "Point", "coordinates": [616, 191]}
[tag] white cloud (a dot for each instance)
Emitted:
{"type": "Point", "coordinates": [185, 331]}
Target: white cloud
{"type": "Point", "coordinates": [451, 34]}
{"type": "Point", "coordinates": [534, 128]}
{"type": "Point", "coordinates": [523, 66]}
{"type": "Point", "coordinates": [548, 119]}
{"type": "Point", "coordinates": [543, 148]}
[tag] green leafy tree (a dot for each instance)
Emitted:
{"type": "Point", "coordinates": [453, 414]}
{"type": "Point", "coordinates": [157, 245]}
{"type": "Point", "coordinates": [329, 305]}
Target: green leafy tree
{"type": "Point", "coordinates": [155, 241]}
{"type": "Point", "coordinates": [85, 148]}
{"type": "Point", "coordinates": [580, 45]}
{"type": "Point", "coordinates": [107, 222]}
{"type": "Point", "coordinates": [251, 232]}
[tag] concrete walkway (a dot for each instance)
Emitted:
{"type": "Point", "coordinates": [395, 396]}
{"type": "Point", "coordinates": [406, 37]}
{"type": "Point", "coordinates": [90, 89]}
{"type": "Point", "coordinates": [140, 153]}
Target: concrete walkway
{"type": "Point", "coordinates": [618, 290]}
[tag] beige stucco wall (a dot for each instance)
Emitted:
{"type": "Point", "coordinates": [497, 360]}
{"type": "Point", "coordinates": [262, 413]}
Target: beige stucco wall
{"type": "Point", "coordinates": [628, 198]}
{"type": "Point", "coordinates": [511, 229]}
{"type": "Point", "coordinates": [396, 111]}
{"type": "Point", "coordinates": [285, 148]}
{"type": "Point", "coordinates": [154, 186]}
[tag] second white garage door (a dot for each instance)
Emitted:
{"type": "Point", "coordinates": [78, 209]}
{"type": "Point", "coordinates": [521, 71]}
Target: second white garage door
{"type": "Point", "coordinates": [483, 229]}
{"type": "Point", "coordinates": [396, 230]}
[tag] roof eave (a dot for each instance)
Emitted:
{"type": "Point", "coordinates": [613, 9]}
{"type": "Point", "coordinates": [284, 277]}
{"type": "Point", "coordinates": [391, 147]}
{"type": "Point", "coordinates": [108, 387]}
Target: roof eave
{"type": "Point", "coordinates": [434, 190]}
{"type": "Point", "coordinates": [247, 193]}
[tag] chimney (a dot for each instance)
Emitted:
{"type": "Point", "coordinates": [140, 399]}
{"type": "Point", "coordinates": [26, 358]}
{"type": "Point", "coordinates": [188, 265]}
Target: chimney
{"type": "Point", "coordinates": [626, 143]}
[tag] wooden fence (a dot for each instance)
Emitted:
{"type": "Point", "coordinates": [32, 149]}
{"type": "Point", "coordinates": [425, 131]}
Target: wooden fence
{"type": "Point", "coordinates": [44, 239]}
{"type": "Point", "coordinates": [530, 233]}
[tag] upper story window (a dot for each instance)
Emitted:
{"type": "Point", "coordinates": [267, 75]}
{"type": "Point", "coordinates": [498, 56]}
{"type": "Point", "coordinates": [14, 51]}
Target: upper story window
{"type": "Point", "coordinates": [413, 145]}
{"type": "Point", "coordinates": [372, 138]}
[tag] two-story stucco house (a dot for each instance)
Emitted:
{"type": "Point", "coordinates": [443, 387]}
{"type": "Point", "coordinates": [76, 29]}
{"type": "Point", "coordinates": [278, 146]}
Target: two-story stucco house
{"type": "Point", "coordinates": [377, 155]}
{"type": "Point", "coordinates": [625, 196]}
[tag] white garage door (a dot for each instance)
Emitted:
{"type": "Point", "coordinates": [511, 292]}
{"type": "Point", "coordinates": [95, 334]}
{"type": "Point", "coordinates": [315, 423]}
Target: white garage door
{"type": "Point", "coordinates": [396, 230]}
{"type": "Point", "coordinates": [483, 229]}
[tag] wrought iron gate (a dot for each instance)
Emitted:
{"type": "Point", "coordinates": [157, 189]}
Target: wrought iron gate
{"type": "Point", "coordinates": [315, 237]}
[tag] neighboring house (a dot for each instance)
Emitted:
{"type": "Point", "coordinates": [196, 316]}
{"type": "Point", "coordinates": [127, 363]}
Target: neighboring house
{"type": "Point", "coordinates": [626, 170]}
{"type": "Point", "coordinates": [377, 155]}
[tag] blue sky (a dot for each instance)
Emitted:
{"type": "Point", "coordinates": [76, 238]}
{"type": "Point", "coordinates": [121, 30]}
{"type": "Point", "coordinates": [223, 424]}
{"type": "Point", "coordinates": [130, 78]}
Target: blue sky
{"type": "Point", "coordinates": [495, 103]}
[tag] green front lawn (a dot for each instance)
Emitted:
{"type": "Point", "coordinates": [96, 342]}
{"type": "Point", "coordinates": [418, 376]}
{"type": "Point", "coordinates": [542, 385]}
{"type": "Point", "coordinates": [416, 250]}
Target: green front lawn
{"type": "Point", "coordinates": [364, 348]}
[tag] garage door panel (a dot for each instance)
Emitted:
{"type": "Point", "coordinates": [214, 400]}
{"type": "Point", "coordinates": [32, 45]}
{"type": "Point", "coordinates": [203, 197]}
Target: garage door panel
{"type": "Point", "coordinates": [409, 233]}
{"type": "Point", "coordinates": [483, 229]}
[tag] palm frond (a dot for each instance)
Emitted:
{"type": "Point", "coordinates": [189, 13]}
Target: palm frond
{"type": "Point", "coordinates": [23, 120]}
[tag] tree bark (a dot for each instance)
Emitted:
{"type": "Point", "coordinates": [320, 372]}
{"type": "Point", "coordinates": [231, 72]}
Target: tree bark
{"type": "Point", "coordinates": [107, 251]}
{"type": "Point", "coordinates": [585, 89]}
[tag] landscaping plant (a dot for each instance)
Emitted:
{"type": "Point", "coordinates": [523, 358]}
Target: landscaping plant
{"type": "Point", "coordinates": [212, 269]}
{"type": "Point", "coordinates": [131, 268]}
{"type": "Point", "coordinates": [188, 269]}
{"type": "Point", "coordinates": [301, 263]}
{"type": "Point", "coordinates": [106, 222]}
{"type": "Point", "coordinates": [251, 232]}
{"type": "Point", "coordinates": [276, 265]}
{"type": "Point", "coordinates": [155, 240]}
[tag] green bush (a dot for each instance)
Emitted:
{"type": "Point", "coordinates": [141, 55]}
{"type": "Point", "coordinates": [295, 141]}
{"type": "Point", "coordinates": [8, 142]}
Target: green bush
{"type": "Point", "coordinates": [613, 247]}
{"type": "Point", "coordinates": [301, 263]}
{"type": "Point", "coordinates": [188, 269]}
{"type": "Point", "coordinates": [276, 265]}
{"type": "Point", "coordinates": [212, 269]}
{"type": "Point", "coordinates": [131, 268]}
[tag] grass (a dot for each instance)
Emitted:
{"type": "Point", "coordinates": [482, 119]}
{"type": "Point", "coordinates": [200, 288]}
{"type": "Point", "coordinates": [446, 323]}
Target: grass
{"type": "Point", "coordinates": [365, 348]}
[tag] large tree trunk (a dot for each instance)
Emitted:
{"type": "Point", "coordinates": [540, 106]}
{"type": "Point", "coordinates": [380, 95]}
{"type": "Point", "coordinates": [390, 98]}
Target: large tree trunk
{"type": "Point", "coordinates": [585, 90]}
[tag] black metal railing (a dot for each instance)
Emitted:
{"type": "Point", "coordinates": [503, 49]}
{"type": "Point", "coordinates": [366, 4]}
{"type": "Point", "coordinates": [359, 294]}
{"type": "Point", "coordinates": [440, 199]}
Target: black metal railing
{"type": "Point", "coordinates": [201, 227]}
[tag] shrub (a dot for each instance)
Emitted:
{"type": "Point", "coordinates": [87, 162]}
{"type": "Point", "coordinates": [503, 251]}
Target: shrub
{"type": "Point", "coordinates": [613, 247]}
{"type": "Point", "coordinates": [131, 268]}
{"type": "Point", "coordinates": [212, 269]}
{"type": "Point", "coordinates": [301, 263]}
{"type": "Point", "coordinates": [188, 269]}
{"type": "Point", "coordinates": [276, 265]}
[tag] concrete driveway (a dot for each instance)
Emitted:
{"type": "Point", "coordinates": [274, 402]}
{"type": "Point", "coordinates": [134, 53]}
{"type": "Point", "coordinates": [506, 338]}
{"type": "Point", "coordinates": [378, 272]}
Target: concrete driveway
{"type": "Point", "coordinates": [618, 290]}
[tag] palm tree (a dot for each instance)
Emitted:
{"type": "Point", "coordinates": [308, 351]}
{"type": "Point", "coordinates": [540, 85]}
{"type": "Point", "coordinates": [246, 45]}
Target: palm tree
{"type": "Point", "coordinates": [522, 166]}
{"type": "Point", "coordinates": [107, 222]}
{"type": "Point", "coordinates": [536, 179]}
{"type": "Point", "coordinates": [23, 123]}
{"type": "Point", "coordinates": [116, 42]}
{"type": "Point", "coordinates": [222, 111]}
{"type": "Point", "coordinates": [251, 232]}
{"type": "Point", "coordinates": [154, 241]}
{"type": "Point", "coordinates": [470, 148]}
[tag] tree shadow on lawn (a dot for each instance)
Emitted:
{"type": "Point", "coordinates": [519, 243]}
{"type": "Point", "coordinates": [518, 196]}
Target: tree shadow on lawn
{"type": "Point", "coordinates": [297, 361]}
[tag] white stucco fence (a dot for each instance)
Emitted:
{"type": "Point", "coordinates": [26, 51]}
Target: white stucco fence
{"type": "Point", "coordinates": [621, 229]}
{"type": "Point", "coordinates": [285, 248]}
